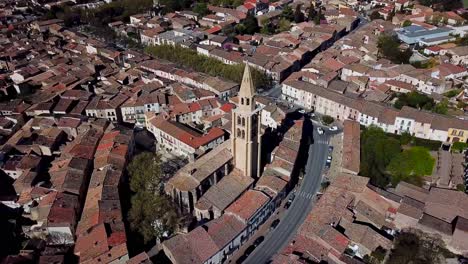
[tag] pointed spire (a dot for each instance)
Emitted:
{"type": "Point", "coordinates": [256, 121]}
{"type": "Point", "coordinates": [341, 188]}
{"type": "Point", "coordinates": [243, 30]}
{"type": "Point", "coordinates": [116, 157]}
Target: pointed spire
{"type": "Point", "coordinates": [247, 89]}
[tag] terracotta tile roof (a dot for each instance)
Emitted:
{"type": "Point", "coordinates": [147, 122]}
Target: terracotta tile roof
{"type": "Point", "coordinates": [247, 205]}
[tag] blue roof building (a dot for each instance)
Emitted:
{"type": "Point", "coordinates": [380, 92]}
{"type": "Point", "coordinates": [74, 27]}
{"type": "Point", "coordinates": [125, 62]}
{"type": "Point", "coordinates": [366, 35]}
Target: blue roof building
{"type": "Point", "coordinates": [414, 34]}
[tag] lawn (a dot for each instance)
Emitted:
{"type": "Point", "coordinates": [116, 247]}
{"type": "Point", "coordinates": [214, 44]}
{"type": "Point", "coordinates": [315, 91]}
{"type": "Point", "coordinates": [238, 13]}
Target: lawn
{"type": "Point", "coordinates": [411, 165]}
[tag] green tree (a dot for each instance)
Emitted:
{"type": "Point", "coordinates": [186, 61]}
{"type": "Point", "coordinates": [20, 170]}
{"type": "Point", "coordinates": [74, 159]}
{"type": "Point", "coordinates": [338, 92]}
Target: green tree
{"type": "Point", "coordinates": [375, 15]}
{"type": "Point", "coordinates": [251, 25]}
{"type": "Point", "coordinates": [459, 146]}
{"type": "Point", "coordinates": [461, 187]}
{"type": "Point", "coordinates": [327, 120]}
{"type": "Point", "coordinates": [415, 100]}
{"type": "Point", "coordinates": [201, 9]}
{"type": "Point", "coordinates": [407, 23]}
{"type": "Point", "coordinates": [287, 13]}
{"type": "Point", "coordinates": [298, 15]}
{"type": "Point", "coordinates": [377, 151]}
{"type": "Point", "coordinates": [152, 213]}
{"type": "Point", "coordinates": [318, 17]}
{"type": "Point", "coordinates": [312, 12]}
{"type": "Point", "coordinates": [191, 59]}
{"type": "Point", "coordinates": [284, 25]}
{"type": "Point", "coordinates": [267, 29]}
{"type": "Point", "coordinates": [442, 107]}
{"type": "Point", "coordinates": [389, 48]}
{"type": "Point", "coordinates": [411, 165]}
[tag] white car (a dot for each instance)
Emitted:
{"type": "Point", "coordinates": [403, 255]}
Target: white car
{"type": "Point", "coordinates": [302, 111]}
{"type": "Point", "coordinates": [320, 130]}
{"type": "Point", "coordinates": [333, 128]}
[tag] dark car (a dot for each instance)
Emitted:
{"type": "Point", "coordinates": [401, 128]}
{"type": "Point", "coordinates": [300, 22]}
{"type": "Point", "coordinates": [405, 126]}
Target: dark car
{"type": "Point", "coordinates": [287, 204]}
{"type": "Point", "coordinates": [258, 241]}
{"type": "Point", "coordinates": [249, 250]}
{"type": "Point", "coordinates": [274, 224]}
{"type": "Point", "coordinates": [241, 259]}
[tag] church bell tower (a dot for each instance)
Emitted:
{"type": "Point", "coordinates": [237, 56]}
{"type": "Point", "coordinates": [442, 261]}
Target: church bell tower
{"type": "Point", "coordinates": [246, 133]}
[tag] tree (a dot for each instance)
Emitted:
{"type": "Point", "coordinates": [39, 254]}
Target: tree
{"type": "Point", "coordinates": [375, 15]}
{"type": "Point", "coordinates": [201, 9]}
{"type": "Point", "coordinates": [411, 165]}
{"type": "Point", "coordinates": [407, 23]}
{"type": "Point", "coordinates": [266, 26]}
{"type": "Point", "coordinates": [377, 151]}
{"type": "Point", "coordinates": [318, 17]}
{"type": "Point", "coordinates": [284, 25]}
{"type": "Point", "coordinates": [152, 213]}
{"type": "Point", "coordinates": [459, 146]}
{"type": "Point", "coordinates": [418, 248]}
{"type": "Point", "coordinates": [298, 15]}
{"type": "Point", "coordinates": [145, 172]}
{"type": "Point", "coordinates": [442, 107]}
{"type": "Point", "coordinates": [251, 25]}
{"type": "Point", "coordinates": [414, 99]}
{"type": "Point", "coordinates": [327, 120]}
{"type": "Point", "coordinates": [312, 12]}
{"type": "Point", "coordinates": [287, 13]}
{"type": "Point", "coordinates": [389, 47]}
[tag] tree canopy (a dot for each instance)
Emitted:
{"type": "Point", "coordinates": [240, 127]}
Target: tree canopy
{"type": "Point", "coordinates": [152, 213]}
{"type": "Point", "coordinates": [389, 48]}
{"type": "Point", "coordinates": [377, 151]}
{"type": "Point", "coordinates": [416, 100]}
{"type": "Point", "coordinates": [191, 59]}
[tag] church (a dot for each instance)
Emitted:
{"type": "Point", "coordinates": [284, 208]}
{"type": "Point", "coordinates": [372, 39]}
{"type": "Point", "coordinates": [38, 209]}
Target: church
{"type": "Point", "coordinates": [207, 186]}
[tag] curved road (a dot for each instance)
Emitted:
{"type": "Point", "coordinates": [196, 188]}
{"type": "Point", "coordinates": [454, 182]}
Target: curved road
{"type": "Point", "coordinates": [277, 239]}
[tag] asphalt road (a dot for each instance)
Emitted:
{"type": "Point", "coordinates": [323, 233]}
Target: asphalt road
{"type": "Point", "coordinates": [278, 238]}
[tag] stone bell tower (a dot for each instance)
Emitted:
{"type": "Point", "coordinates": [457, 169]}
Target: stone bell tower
{"type": "Point", "coordinates": [246, 133]}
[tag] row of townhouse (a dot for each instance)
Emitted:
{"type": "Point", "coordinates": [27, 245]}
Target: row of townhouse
{"type": "Point", "coordinates": [419, 123]}
{"type": "Point", "coordinates": [221, 87]}
{"type": "Point", "coordinates": [437, 80]}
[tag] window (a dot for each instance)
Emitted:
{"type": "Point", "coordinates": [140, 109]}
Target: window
{"type": "Point", "coordinates": [243, 121]}
{"type": "Point", "coordinates": [242, 101]}
{"type": "Point", "coordinates": [247, 101]}
{"type": "Point", "coordinates": [238, 120]}
{"type": "Point", "coordinates": [243, 134]}
{"type": "Point", "coordinates": [238, 133]}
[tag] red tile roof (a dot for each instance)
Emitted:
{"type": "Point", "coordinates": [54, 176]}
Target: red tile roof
{"type": "Point", "coordinates": [248, 204]}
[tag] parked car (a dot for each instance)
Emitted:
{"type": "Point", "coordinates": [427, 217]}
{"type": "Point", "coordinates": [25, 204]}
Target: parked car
{"type": "Point", "coordinates": [258, 241]}
{"type": "Point", "coordinates": [274, 224]}
{"type": "Point", "coordinates": [241, 259]}
{"type": "Point", "coordinates": [333, 128]}
{"type": "Point", "coordinates": [249, 250]}
{"type": "Point", "coordinates": [287, 204]}
{"type": "Point", "coordinates": [302, 111]}
{"type": "Point", "coordinates": [320, 130]}
{"type": "Point", "coordinates": [330, 149]}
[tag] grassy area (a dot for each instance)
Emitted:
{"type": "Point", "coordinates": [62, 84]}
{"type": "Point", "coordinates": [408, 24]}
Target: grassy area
{"type": "Point", "coordinates": [386, 162]}
{"type": "Point", "coordinates": [465, 3]}
{"type": "Point", "coordinates": [411, 165]}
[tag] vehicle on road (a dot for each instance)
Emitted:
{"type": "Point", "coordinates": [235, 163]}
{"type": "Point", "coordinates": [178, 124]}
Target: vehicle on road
{"type": "Point", "coordinates": [320, 130]}
{"type": "Point", "coordinates": [249, 250]}
{"type": "Point", "coordinates": [329, 158]}
{"type": "Point", "coordinates": [312, 115]}
{"type": "Point", "coordinates": [258, 241]}
{"type": "Point", "coordinates": [274, 224]}
{"type": "Point", "coordinates": [302, 111]}
{"type": "Point", "coordinates": [334, 128]}
{"type": "Point", "coordinates": [241, 259]}
{"type": "Point", "coordinates": [287, 204]}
